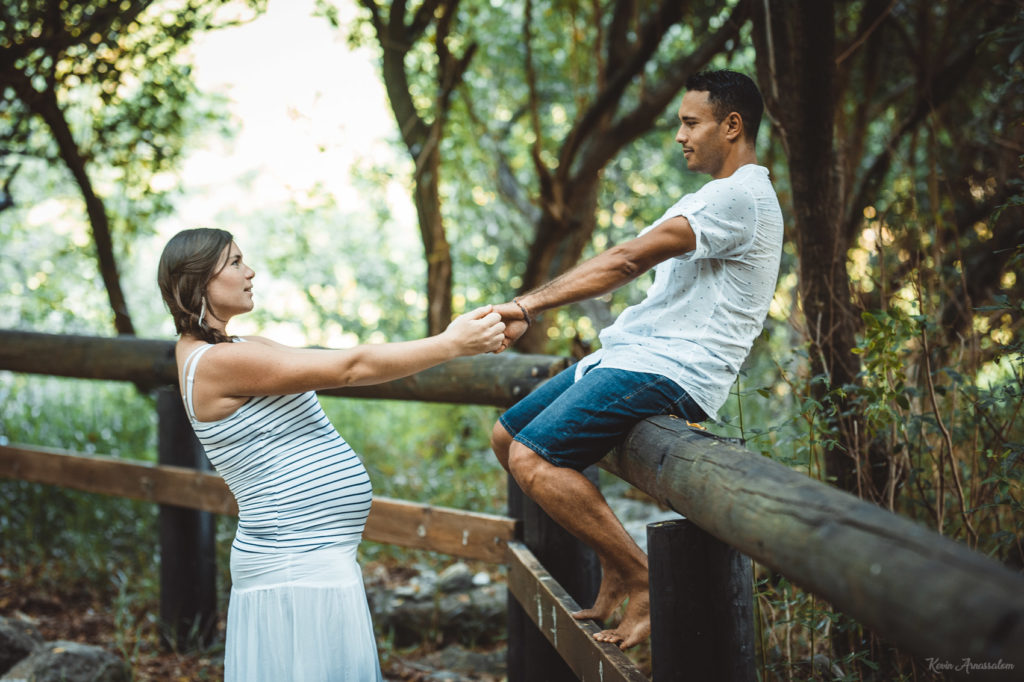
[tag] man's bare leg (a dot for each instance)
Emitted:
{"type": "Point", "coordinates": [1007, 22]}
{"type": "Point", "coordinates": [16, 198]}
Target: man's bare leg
{"type": "Point", "coordinates": [578, 506]}
{"type": "Point", "coordinates": [501, 441]}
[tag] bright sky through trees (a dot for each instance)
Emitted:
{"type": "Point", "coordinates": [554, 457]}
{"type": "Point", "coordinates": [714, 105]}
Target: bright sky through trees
{"type": "Point", "coordinates": [307, 108]}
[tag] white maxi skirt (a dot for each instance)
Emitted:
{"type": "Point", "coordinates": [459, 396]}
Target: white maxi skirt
{"type": "Point", "coordinates": [299, 617]}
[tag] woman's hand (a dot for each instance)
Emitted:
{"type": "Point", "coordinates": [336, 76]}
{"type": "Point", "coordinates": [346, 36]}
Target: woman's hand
{"type": "Point", "coordinates": [478, 331]}
{"type": "Point", "coordinates": [515, 322]}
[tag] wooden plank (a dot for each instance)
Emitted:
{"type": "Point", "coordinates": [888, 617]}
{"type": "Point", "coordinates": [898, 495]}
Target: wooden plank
{"type": "Point", "coordinates": [923, 592]}
{"type": "Point", "coordinates": [498, 380]}
{"type": "Point", "coordinates": [459, 533]}
{"type": "Point", "coordinates": [162, 484]}
{"type": "Point", "coordinates": [464, 534]}
{"type": "Point", "coordinates": [149, 362]}
{"type": "Point", "coordinates": [550, 608]}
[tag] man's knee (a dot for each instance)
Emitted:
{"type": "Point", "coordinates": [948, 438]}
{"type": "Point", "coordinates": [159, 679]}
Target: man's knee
{"type": "Point", "coordinates": [524, 464]}
{"type": "Point", "coordinates": [501, 440]}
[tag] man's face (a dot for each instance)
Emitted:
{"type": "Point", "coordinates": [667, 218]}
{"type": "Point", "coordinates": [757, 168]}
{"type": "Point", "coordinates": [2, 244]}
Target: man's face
{"type": "Point", "coordinates": [701, 136]}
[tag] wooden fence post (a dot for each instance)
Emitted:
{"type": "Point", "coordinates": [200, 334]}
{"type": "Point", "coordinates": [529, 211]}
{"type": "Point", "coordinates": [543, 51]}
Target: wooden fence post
{"type": "Point", "coordinates": [570, 562]}
{"type": "Point", "coordinates": [702, 620]}
{"type": "Point", "coordinates": [188, 568]}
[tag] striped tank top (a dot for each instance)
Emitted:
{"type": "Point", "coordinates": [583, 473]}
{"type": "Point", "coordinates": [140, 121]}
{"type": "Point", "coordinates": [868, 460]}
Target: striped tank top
{"type": "Point", "coordinates": [298, 484]}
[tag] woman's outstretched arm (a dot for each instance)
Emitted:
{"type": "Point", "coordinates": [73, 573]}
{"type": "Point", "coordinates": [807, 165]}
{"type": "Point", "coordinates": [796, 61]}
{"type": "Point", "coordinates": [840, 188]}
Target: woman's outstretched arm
{"type": "Point", "coordinates": [263, 367]}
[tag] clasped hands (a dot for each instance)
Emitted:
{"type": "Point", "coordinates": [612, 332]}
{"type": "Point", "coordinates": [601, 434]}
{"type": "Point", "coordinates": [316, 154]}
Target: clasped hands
{"type": "Point", "coordinates": [515, 321]}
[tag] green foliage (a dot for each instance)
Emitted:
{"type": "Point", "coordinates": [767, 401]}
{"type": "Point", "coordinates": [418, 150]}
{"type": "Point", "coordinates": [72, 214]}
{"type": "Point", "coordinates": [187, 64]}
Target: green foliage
{"type": "Point", "coordinates": [331, 277]}
{"type": "Point", "coordinates": [446, 460]}
{"type": "Point", "coordinates": [51, 255]}
{"type": "Point", "coordinates": [63, 535]}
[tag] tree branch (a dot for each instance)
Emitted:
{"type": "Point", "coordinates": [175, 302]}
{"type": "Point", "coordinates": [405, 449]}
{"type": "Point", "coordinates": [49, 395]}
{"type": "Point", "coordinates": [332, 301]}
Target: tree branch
{"type": "Point", "coordinates": [608, 99]}
{"type": "Point", "coordinates": [617, 46]}
{"type": "Point", "coordinates": [533, 107]}
{"type": "Point", "coordinates": [942, 86]}
{"type": "Point", "coordinates": [599, 150]}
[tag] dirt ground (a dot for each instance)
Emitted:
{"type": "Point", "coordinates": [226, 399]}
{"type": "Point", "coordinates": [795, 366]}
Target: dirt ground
{"type": "Point", "coordinates": [81, 615]}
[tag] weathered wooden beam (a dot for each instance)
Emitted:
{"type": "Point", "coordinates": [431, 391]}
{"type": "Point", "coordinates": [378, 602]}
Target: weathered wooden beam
{"type": "Point", "coordinates": [925, 593]}
{"type": "Point", "coordinates": [469, 535]}
{"type": "Point", "coordinates": [134, 479]}
{"type": "Point", "coordinates": [550, 607]}
{"type": "Point", "coordinates": [120, 358]}
{"type": "Point", "coordinates": [498, 380]}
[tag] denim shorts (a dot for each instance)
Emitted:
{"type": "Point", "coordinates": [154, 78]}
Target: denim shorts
{"type": "Point", "coordinates": [575, 423]}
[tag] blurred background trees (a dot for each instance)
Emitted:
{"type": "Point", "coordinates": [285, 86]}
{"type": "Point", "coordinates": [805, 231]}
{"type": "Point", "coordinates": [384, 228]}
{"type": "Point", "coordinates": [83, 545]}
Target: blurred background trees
{"type": "Point", "coordinates": [897, 104]}
{"type": "Point", "coordinates": [96, 89]}
{"type": "Point", "coordinates": [530, 135]}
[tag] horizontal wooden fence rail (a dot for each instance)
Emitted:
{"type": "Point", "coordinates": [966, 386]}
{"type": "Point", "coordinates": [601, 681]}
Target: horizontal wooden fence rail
{"type": "Point", "coordinates": [498, 380]}
{"type": "Point", "coordinates": [550, 608]}
{"type": "Point", "coordinates": [924, 593]}
{"type": "Point", "coordinates": [468, 535]}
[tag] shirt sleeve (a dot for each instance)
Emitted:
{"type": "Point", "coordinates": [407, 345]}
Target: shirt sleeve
{"type": "Point", "coordinates": [723, 219]}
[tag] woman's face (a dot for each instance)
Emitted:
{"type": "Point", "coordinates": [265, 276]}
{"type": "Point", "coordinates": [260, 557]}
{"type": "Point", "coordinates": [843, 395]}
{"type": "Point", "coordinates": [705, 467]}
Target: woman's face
{"type": "Point", "coordinates": [229, 293]}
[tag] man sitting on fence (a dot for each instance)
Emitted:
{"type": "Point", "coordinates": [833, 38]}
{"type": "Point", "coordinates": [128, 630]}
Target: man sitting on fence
{"type": "Point", "coordinates": [716, 258]}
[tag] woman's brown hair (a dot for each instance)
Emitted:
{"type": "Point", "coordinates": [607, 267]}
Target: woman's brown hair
{"type": "Point", "coordinates": [189, 261]}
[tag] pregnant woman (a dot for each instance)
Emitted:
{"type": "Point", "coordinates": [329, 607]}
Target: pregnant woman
{"type": "Point", "coordinates": [297, 608]}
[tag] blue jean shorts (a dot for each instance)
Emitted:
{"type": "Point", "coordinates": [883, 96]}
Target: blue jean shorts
{"type": "Point", "coordinates": [575, 423]}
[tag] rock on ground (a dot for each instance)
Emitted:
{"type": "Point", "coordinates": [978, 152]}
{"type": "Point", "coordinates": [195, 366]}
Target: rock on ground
{"type": "Point", "coordinates": [18, 638]}
{"type": "Point", "coordinates": [64, 661]}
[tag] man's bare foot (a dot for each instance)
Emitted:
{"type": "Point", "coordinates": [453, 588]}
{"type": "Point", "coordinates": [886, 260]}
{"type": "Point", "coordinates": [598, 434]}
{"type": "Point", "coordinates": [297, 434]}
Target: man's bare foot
{"type": "Point", "coordinates": [635, 626]}
{"type": "Point", "coordinates": [613, 592]}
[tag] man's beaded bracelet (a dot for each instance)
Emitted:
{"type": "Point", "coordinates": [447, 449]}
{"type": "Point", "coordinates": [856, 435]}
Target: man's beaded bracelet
{"type": "Point", "coordinates": [526, 315]}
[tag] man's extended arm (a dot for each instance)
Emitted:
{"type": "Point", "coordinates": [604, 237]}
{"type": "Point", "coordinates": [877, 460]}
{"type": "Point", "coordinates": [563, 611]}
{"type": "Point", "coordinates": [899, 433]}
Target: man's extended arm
{"type": "Point", "coordinates": [601, 274]}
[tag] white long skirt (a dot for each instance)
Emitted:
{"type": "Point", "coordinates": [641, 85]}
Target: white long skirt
{"type": "Point", "coordinates": [299, 617]}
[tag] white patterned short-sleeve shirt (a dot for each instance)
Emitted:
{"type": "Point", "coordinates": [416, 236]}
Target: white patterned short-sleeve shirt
{"type": "Point", "coordinates": [706, 307]}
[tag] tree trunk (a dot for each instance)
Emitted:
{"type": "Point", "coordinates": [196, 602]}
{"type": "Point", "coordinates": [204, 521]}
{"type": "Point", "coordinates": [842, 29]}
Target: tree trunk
{"type": "Point", "coordinates": [561, 235]}
{"type": "Point", "coordinates": [44, 104]}
{"type": "Point", "coordinates": [796, 68]}
{"type": "Point", "coordinates": [435, 243]}
{"type": "Point", "coordinates": [423, 138]}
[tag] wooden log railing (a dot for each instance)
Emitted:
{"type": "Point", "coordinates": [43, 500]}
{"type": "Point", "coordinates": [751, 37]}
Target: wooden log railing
{"type": "Point", "coordinates": [498, 380]}
{"type": "Point", "coordinates": [925, 594]}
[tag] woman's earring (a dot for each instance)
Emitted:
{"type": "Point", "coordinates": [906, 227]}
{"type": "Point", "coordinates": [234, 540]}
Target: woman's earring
{"type": "Point", "coordinates": [202, 313]}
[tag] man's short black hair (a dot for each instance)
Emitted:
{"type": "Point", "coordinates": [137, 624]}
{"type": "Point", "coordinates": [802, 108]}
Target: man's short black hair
{"type": "Point", "coordinates": [730, 91]}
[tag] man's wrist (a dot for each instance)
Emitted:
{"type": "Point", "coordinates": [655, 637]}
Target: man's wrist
{"type": "Point", "coordinates": [526, 313]}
